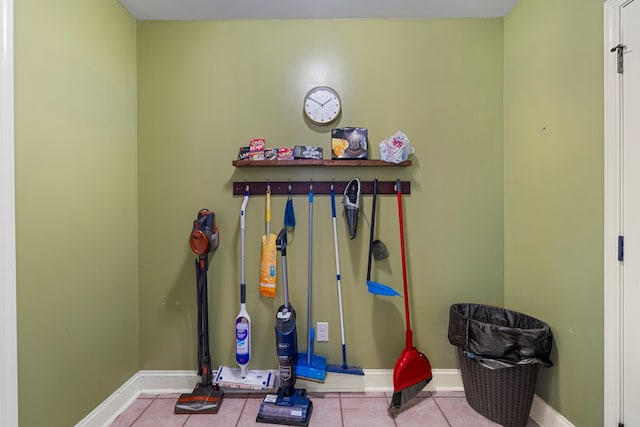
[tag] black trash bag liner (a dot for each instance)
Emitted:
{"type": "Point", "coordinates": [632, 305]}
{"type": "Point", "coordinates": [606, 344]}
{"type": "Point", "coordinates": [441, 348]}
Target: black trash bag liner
{"type": "Point", "coordinates": [499, 338]}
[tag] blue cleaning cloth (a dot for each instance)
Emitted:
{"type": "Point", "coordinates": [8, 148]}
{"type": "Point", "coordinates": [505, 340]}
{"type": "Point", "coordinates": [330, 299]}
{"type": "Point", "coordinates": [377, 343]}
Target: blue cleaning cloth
{"type": "Point", "coordinates": [289, 215]}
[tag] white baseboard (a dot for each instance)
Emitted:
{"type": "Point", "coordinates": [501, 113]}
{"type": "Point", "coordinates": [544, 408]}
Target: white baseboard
{"type": "Point", "coordinates": [377, 380]}
{"type": "Point", "coordinates": [120, 400]}
{"type": "Point", "coordinates": [373, 380]}
{"type": "Point", "coordinates": [543, 414]}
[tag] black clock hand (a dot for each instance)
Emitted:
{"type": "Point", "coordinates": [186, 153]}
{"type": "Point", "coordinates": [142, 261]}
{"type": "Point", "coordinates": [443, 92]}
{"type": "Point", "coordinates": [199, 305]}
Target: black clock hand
{"type": "Point", "coordinates": [328, 100]}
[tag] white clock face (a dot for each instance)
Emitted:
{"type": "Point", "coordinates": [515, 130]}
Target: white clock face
{"type": "Point", "coordinates": [322, 105]}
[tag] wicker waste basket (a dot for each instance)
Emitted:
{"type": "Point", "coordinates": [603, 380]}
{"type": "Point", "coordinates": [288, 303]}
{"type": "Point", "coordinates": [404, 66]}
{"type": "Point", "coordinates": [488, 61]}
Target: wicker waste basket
{"type": "Point", "coordinates": [499, 352]}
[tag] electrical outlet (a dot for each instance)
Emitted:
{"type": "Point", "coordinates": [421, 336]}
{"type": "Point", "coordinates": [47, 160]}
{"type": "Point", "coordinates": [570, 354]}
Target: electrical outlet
{"type": "Point", "coordinates": [323, 331]}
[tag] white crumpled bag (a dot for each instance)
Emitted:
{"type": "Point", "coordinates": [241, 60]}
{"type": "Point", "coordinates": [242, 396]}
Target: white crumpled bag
{"type": "Point", "coordinates": [396, 148]}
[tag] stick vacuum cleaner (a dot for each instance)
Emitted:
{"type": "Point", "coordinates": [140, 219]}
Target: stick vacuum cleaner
{"type": "Point", "coordinates": [206, 397]}
{"type": "Point", "coordinates": [290, 406]}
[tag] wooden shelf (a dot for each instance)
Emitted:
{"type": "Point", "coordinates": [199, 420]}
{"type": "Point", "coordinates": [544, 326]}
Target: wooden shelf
{"type": "Point", "coordinates": [312, 162]}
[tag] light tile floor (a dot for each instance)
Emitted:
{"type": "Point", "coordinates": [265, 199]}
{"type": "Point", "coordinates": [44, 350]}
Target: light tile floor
{"type": "Point", "coordinates": [433, 409]}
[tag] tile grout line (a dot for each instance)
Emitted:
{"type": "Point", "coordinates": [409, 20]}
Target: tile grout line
{"type": "Point", "coordinates": [246, 399]}
{"type": "Point", "coordinates": [395, 423]}
{"type": "Point", "coordinates": [440, 409]}
{"type": "Point", "coordinates": [142, 412]}
{"type": "Point", "coordinates": [185, 421]}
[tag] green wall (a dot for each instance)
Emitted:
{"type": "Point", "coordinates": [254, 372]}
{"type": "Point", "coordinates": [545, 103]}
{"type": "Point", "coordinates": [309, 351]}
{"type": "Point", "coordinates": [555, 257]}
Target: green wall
{"type": "Point", "coordinates": [206, 88]}
{"type": "Point", "coordinates": [76, 206]}
{"type": "Point", "coordinates": [553, 138]}
{"type": "Point", "coordinates": [506, 120]}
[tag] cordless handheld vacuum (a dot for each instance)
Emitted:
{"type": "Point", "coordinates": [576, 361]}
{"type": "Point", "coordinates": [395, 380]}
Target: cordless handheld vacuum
{"type": "Point", "coordinates": [290, 406]}
{"type": "Point", "coordinates": [206, 397]}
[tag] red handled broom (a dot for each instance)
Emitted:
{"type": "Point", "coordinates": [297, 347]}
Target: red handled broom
{"type": "Point", "coordinates": [412, 371]}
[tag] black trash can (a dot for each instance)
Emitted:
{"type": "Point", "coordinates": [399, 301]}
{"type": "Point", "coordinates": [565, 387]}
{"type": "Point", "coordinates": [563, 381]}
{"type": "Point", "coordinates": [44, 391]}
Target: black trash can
{"type": "Point", "coordinates": [499, 352]}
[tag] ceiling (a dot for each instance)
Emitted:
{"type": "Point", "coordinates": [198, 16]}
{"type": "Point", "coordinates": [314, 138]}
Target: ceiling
{"type": "Point", "coordinates": [314, 9]}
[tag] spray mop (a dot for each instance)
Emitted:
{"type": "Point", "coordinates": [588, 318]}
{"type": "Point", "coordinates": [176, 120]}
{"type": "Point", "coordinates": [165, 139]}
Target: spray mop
{"type": "Point", "coordinates": [242, 377]}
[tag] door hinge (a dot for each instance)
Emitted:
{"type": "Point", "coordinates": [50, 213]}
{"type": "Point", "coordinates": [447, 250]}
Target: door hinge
{"type": "Point", "coordinates": [620, 52]}
{"type": "Point", "coordinates": [620, 248]}
{"type": "Point", "coordinates": [620, 424]}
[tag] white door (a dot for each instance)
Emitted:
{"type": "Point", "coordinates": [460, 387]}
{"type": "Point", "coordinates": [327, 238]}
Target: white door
{"type": "Point", "coordinates": [630, 135]}
{"type": "Point", "coordinates": [8, 331]}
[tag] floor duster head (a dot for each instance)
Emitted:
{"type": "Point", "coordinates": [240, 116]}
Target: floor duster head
{"type": "Point", "coordinates": [262, 380]}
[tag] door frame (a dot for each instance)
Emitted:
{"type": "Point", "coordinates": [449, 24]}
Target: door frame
{"type": "Point", "coordinates": [612, 222]}
{"type": "Point", "coordinates": [612, 216]}
{"type": "Point", "coordinates": [8, 309]}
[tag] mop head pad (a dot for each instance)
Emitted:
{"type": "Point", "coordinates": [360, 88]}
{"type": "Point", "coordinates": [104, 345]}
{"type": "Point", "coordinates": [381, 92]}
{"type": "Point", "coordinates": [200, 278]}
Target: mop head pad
{"type": "Point", "coordinates": [345, 369]}
{"type": "Point", "coordinates": [255, 380]}
{"type": "Point", "coordinates": [316, 371]}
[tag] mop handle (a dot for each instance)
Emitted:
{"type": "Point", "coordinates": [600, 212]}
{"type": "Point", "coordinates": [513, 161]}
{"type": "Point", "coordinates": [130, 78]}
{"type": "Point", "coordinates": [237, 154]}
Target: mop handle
{"type": "Point", "coordinates": [243, 283]}
{"type": "Point", "coordinates": [309, 275]}
{"type": "Point", "coordinates": [371, 227]}
{"type": "Point", "coordinates": [404, 265]}
{"type": "Point", "coordinates": [337, 253]}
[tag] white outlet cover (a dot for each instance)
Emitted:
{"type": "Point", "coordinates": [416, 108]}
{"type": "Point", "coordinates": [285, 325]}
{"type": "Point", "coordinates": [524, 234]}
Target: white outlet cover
{"type": "Point", "coordinates": [323, 331]}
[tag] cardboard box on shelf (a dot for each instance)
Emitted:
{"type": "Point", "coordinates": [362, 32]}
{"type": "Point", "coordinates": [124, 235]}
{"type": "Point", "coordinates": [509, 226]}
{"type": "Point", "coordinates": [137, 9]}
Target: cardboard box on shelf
{"type": "Point", "coordinates": [349, 143]}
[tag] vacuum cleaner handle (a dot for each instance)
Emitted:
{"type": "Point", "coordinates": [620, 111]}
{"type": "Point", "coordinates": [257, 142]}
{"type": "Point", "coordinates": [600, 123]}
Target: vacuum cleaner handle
{"type": "Point", "coordinates": [281, 242]}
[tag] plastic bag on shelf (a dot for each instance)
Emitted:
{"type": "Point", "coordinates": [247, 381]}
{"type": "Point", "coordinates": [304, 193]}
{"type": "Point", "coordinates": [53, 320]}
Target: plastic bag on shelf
{"type": "Point", "coordinates": [396, 148]}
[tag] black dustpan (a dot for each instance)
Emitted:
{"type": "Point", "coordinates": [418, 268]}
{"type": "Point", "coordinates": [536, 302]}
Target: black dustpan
{"type": "Point", "coordinates": [375, 287]}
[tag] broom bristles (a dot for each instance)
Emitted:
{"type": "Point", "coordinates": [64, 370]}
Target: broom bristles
{"type": "Point", "coordinates": [400, 398]}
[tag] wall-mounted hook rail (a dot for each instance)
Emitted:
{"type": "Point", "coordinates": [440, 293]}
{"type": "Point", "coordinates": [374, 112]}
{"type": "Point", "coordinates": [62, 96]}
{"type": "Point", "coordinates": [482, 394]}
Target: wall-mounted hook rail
{"type": "Point", "coordinates": [319, 187]}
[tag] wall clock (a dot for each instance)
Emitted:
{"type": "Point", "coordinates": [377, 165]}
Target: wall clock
{"type": "Point", "coordinates": [322, 105]}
